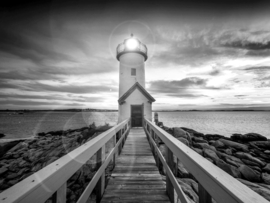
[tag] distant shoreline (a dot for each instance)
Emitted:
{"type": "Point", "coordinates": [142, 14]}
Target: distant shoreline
{"type": "Point", "coordinates": [112, 110]}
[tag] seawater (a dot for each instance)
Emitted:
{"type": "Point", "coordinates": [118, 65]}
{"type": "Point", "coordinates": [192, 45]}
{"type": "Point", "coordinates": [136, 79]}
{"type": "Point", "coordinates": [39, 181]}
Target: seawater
{"type": "Point", "coordinates": [220, 122]}
{"type": "Point", "coordinates": [223, 123]}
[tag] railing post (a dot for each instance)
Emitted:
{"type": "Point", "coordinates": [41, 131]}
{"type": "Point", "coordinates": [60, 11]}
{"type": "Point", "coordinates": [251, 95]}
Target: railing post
{"type": "Point", "coordinates": [204, 196]}
{"type": "Point", "coordinates": [60, 195]}
{"type": "Point", "coordinates": [120, 145]}
{"type": "Point", "coordinates": [114, 143]}
{"type": "Point", "coordinates": [100, 187]}
{"type": "Point", "coordinates": [169, 185]}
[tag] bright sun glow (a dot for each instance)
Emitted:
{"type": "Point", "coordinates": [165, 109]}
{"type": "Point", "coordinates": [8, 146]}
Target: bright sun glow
{"type": "Point", "coordinates": [132, 43]}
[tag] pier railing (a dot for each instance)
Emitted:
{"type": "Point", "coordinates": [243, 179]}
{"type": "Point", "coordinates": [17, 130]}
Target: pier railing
{"type": "Point", "coordinates": [213, 182]}
{"type": "Point", "coordinates": [51, 181]}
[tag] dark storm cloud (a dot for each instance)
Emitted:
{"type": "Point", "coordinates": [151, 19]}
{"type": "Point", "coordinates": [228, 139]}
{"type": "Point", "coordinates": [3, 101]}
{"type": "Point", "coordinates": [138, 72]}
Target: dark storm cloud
{"type": "Point", "coordinates": [17, 44]}
{"type": "Point", "coordinates": [248, 45]}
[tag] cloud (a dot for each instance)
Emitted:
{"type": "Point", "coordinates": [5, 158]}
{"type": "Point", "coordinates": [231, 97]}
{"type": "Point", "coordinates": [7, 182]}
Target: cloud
{"type": "Point", "coordinates": [72, 88]}
{"type": "Point", "coordinates": [181, 87]}
{"type": "Point", "coordinates": [175, 85]}
{"type": "Point", "coordinates": [58, 97]}
{"type": "Point", "coordinates": [248, 45]}
{"type": "Point", "coordinates": [259, 68]}
{"type": "Point", "coordinates": [183, 95]}
{"type": "Point", "coordinates": [36, 103]}
{"type": "Point", "coordinates": [214, 72]}
{"type": "Point", "coordinates": [15, 43]}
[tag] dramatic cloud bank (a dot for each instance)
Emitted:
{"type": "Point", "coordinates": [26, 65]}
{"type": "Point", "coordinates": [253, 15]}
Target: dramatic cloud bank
{"type": "Point", "coordinates": [63, 56]}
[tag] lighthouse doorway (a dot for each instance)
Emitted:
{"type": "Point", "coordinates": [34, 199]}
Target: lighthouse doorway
{"type": "Point", "coordinates": [136, 115]}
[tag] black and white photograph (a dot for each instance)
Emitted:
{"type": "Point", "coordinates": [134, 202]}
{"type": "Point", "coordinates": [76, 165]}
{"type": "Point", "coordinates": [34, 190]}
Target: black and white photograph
{"type": "Point", "coordinates": [119, 101]}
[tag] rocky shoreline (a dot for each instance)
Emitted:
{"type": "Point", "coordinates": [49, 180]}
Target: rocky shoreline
{"type": "Point", "coordinates": [20, 159]}
{"type": "Point", "coordinates": [245, 157]}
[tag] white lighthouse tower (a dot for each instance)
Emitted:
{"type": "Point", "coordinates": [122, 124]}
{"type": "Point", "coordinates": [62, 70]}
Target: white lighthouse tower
{"type": "Point", "coordinates": [134, 101]}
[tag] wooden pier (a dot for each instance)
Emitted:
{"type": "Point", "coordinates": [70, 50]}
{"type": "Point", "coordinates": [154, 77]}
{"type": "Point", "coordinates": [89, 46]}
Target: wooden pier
{"type": "Point", "coordinates": [135, 177]}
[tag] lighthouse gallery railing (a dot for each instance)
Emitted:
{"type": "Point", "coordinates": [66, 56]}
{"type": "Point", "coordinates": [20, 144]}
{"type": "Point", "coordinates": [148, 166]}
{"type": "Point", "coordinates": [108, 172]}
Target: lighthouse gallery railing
{"type": "Point", "coordinates": [213, 182]}
{"type": "Point", "coordinates": [51, 180]}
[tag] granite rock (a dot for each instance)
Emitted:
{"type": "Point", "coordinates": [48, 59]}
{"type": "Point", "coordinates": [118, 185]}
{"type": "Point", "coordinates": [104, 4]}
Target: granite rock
{"type": "Point", "coordinates": [249, 174]}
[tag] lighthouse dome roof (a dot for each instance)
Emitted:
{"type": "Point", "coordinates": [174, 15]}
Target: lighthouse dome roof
{"type": "Point", "coordinates": [131, 45]}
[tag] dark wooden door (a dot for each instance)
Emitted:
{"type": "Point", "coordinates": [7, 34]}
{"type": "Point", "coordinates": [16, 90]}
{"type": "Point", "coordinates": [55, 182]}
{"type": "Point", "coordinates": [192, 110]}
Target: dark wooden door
{"type": "Point", "coordinates": [136, 115]}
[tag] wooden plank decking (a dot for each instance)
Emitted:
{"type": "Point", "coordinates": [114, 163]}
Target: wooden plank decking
{"type": "Point", "coordinates": [135, 177]}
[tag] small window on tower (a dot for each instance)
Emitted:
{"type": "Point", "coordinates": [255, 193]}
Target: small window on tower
{"type": "Point", "coordinates": [133, 71]}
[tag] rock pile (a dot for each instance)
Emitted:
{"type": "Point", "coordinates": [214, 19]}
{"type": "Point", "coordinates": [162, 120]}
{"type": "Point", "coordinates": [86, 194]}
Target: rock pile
{"type": "Point", "coordinates": [21, 159]}
{"type": "Point", "coordinates": [245, 157]}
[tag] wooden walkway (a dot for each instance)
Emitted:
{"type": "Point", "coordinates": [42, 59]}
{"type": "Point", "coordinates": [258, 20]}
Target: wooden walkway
{"type": "Point", "coordinates": [135, 177]}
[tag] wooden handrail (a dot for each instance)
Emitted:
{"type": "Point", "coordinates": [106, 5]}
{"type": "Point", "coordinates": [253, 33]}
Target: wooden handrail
{"type": "Point", "coordinates": [52, 179]}
{"type": "Point", "coordinates": [220, 185]}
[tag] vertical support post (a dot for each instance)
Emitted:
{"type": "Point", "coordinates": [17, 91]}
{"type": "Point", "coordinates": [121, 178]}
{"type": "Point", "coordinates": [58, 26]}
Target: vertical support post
{"type": "Point", "coordinates": [100, 187]}
{"type": "Point", "coordinates": [60, 195]}
{"type": "Point", "coordinates": [114, 143]}
{"type": "Point", "coordinates": [156, 118]}
{"type": "Point", "coordinates": [169, 185]}
{"type": "Point", "coordinates": [120, 145]}
{"type": "Point", "coordinates": [204, 196]}
{"type": "Point", "coordinates": [176, 168]}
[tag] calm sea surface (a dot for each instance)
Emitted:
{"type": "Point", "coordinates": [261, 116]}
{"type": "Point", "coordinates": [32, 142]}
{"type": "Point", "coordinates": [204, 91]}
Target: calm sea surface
{"type": "Point", "coordinates": [224, 123]}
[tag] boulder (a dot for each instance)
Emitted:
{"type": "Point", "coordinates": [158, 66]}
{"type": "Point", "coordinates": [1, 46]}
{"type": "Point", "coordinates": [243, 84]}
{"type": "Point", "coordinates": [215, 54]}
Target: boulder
{"type": "Point", "coordinates": [247, 156]}
{"type": "Point", "coordinates": [248, 137]}
{"type": "Point", "coordinates": [5, 146]}
{"type": "Point", "coordinates": [228, 151]}
{"type": "Point", "coordinates": [267, 151]}
{"type": "Point", "coordinates": [193, 132]}
{"type": "Point", "coordinates": [262, 144]}
{"type": "Point", "coordinates": [267, 168]}
{"type": "Point", "coordinates": [263, 191]}
{"type": "Point", "coordinates": [191, 183]}
{"type": "Point", "coordinates": [266, 178]}
{"type": "Point", "coordinates": [211, 142]}
{"type": "Point", "coordinates": [256, 168]}
{"type": "Point", "coordinates": [230, 169]}
{"type": "Point", "coordinates": [187, 189]}
{"type": "Point", "coordinates": [178, 132]}
{"type": "Point", "coordinates": [249, 174]}
{"type": "Point", "coordinates": [182, 171]}
{"type": "Point", "coordinates": [255, 137]}
{"type": "Point", "coordinates": [235, 145]}
{"type": "Point", "coordinates": [210, 154]}
{"type": "Point", "coordinates": [219, 144]}
{"type": "Point", "coordinates": [204, 146]}
{"type": "Point", "coordinates": [3, 170]}
{"type": "Point", "coordinates": [199, 140]}
{"type": "Point", "coordinates": [231, 162]}
{"type": "Point", "coordinates": [183, 140]}
{"type": "Point", "coordinates": [213, 136]}
{"type": "Point", "coordinates": [250, 163]}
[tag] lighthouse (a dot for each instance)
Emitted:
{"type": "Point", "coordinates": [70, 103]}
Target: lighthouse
{"type": "Point", "coordinates": [134, 101]}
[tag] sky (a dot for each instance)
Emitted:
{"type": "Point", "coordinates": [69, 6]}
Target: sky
{"type": "Point", "coordinates": [62, 54]}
